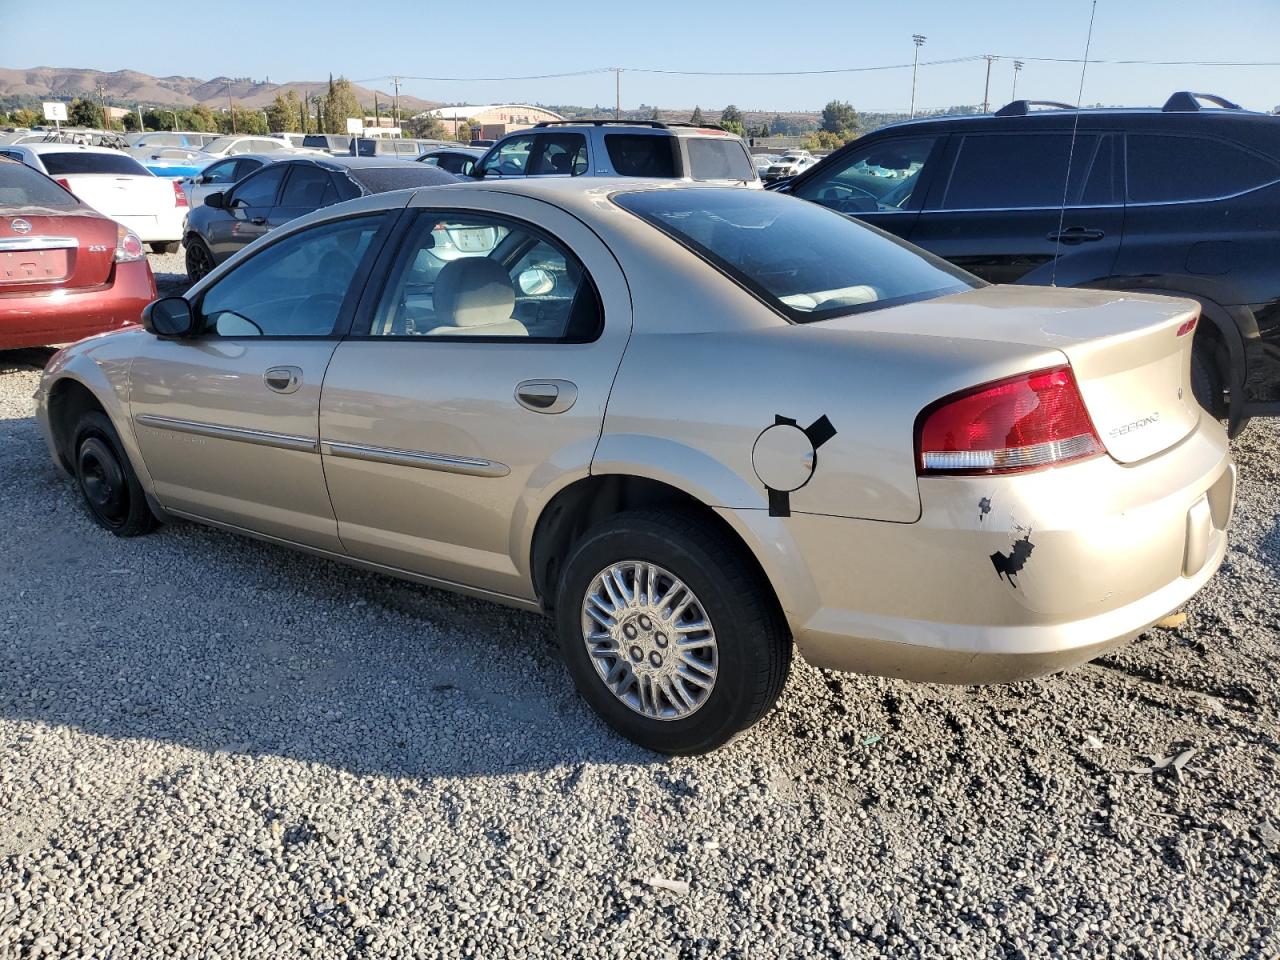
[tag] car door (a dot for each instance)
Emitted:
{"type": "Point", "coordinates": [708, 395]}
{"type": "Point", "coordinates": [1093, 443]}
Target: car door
{"type": "Point", "coordinates": [558, 155]}
{"type": "Point", "coordinates": [247, 208]}
{"type": "Point", "coordinates": [227, 419]}
{"type": "Point", "coordinates": [999, 212]}
{"type": "Point", "coordinates": [472, 388]}
{"type": "Point", "coordinates": [883, 182]}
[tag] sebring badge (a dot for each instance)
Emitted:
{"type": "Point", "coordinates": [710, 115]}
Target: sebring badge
{"type": "Point", "coordinates": [20, 226]}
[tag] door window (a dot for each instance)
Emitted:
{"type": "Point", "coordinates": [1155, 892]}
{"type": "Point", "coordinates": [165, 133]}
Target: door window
{"type": "Point", "coordinates": [259, 190]}
{"type": "Point", "coordinates": [562, 154]}
{"type": "Point", "coordinates": [880, 177]}
{"type": "Point", "coordinates": [1010, 171]}
{"type": "Point", "coordinates": [293, 288]}
{"type": "Point", "coordinates": [642, 155]}
{"type": "Point", "coordinates": [470, 275]}
{"type": "Point", "coordinates": [1170, 168]}
{"type": "Point", "coordinates": [222, 172]}
{"type": "Point", "coordinates": [308, 188]}
{"type": "Point", "coordinates": [511, 159]}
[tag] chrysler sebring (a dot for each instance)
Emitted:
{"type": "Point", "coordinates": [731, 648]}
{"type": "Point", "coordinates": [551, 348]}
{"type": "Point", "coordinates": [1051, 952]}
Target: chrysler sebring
{"type": "Point", "coordinates": [694, 425]}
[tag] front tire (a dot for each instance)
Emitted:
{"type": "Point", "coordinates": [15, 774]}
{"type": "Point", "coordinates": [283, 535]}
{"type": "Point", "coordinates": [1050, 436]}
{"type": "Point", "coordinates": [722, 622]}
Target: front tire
{"type": "Point", "coordinates": [107, 482]}
{"type": "Point", "coordinates": [671, 635]}
{"type": "Point", "coordinates": [199, 259]}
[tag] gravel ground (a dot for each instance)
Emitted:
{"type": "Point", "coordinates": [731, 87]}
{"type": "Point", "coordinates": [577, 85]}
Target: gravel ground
{"type": "Point", "coordinates": [210, 747]}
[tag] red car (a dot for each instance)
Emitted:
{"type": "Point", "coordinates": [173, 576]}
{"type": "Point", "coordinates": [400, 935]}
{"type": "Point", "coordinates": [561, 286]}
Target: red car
{"type": "Point", "coordinates": [66, 271]}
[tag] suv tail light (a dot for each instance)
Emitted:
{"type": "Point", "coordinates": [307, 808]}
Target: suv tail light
{"type": "Point", "coordinates": [128, 245]}
{"type": "Point", "coordinates": [179, 198]}
{"type": "Point", "coordinates": [1026, 422]}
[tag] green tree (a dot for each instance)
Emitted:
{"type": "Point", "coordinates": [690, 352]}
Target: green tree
{"type": "Point", "coordinates": [85, 113]}
{"type": "Point", "coordinates": [655, 114]}
{"type": "Point", "coordinates": [465, 130]}
{"type": "Point", "coordinates": [731, 115]}
{"type": "Point", "coordinates": [284, 113]}
{"type": "Point", "coordinates": [697, 119]}
{"type": "Point", "coordinates": [339, 104]}
{"type": "Point", "coordinates": [245, 121]}
{"type": "Point", "coordinates": [426, 126]}
{"type": "Point", "coordinates": [840, 118]}
{"type": "Point", "coordinates": [131, 121]}
{"type": "Point", "coordinates": [23, 117]}
{"type": "Point", "coordinates": [764, 130]}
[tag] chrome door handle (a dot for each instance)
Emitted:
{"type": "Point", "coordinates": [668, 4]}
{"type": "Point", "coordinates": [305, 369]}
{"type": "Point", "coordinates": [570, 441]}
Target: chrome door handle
{"type": "Point", "coordinates": [283, 379]}
{"type": "Point", "coordinates": [546, 396]}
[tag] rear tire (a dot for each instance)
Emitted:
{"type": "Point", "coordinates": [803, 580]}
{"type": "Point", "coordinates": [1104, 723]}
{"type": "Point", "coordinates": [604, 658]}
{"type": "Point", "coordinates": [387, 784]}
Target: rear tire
{"type": "Point", "coordinates": [647, 674]}
{"type": "Point", "coordinates": [169, 246]}
{"type": "Point", "coordinates": [1206, 379]}
{"type": "Point", "coordinates": [199, 259]}
{"type": "Point", "coordinates": [107, 482]}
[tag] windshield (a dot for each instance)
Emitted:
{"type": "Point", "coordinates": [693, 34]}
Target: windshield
{"type": "Point", "coordinates": [20, 186]}
{"type": "Point", "coordinates": [72, 162]}
{"type": "Point", "coordinates": [804, 260]}
{"type": "Point", "coordinates": [220, 144]}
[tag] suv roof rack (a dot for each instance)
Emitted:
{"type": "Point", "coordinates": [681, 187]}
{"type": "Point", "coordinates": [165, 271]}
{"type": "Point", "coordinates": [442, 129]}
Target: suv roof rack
{"type": "Point", "coordinates": [1020, 108]}
{"type": "Point", "coordinates": [654, 124]}
{"type": "Point", "coordinates": [1184, 101]}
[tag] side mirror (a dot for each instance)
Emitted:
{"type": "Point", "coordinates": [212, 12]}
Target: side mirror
{"type": "Point", "coordinates": [168, 317]}
{"type": "Point", "coordinates": [216, 200]}
{"type": "Point", "coordinates": [536, 282]}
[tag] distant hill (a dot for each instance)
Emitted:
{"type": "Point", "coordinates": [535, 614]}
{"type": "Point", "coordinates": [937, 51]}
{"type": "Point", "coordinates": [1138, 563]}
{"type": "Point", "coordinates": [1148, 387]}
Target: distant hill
{"type": "Point", "coordinates": [129, 87]}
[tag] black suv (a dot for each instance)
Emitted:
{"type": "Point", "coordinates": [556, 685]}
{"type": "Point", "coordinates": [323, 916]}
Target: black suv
{"type": "Point", "coordinates": [1180, 200]}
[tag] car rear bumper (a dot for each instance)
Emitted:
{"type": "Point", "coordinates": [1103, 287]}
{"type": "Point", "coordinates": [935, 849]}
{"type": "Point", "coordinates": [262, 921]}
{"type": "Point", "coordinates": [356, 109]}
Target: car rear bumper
{"type": "Point", "coordinates": [1004, 578]}
{"type": "Point", "coordinates": [67, 315]}
{"type": "Point", "coordinates": [159, 228]}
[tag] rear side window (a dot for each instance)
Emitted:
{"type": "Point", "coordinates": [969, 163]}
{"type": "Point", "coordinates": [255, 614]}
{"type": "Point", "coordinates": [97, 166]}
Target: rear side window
{"type": "Point", "coordinates": [804, 260]}
{"type": "Point", "coordinates": [63, 164]}
{"type": "Point", "coordinates": [559, 154]}
{"type": "Point", "coordinates": [20, 186]}
{"type": "Point", "coordinates": [716, 159]}
{"type": "Point", "coordinates": [638, 155]}
{"type": "Point", "coordinates": [997, 171]}
{"type": "Point", "coordinates": [1165, 168]}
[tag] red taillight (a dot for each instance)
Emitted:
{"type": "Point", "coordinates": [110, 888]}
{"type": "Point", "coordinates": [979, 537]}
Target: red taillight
{"type": "Point", "coordinates": [179, 198]}
{"type": "Point", "coordinates": [1187, 326]}
{"type": "Point", "coordinates": [1026, 422]}
{"type": "Point", "coordinates": [62, 182]}
{"type": "Point", "coordinates": [128, 246]}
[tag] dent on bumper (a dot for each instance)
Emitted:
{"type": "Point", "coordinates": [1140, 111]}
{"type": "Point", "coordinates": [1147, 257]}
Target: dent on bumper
{"type": "Point", "coordinates": [1006, 578]}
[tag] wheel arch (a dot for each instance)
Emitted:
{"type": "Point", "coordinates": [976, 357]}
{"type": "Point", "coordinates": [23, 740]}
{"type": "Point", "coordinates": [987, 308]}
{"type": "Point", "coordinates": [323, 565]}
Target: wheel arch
{"type": "Point", "coordinates": [69, 400]}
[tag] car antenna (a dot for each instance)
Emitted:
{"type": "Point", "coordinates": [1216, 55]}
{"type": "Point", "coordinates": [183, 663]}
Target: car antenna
{"type": "Point", "coordinates": [1071, 151]}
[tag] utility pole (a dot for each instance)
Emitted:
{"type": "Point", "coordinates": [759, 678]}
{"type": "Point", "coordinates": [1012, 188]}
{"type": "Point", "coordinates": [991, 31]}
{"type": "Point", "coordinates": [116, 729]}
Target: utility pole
{"type": "Point", "coordinates": [1017, 67]}
{"type": "Point", "coordinates": [918, 39]}
{"type": "Point", "coordinates": [617, 93]}
{"type": "Point", "coordinates": [231, 107]}
{"type": "Point", "coordinates": [395, 103]}
{"type": "Point", "coordinates": [138, 107]}
{"type": "Point", "coordinates": [102, 98]}
{"type": "Point", "coordinates": [986, 90]}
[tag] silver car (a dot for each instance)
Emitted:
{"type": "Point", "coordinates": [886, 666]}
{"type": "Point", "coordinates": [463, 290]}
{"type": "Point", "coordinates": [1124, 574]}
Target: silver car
{"type": "Point", "coordinates": [694, 425]}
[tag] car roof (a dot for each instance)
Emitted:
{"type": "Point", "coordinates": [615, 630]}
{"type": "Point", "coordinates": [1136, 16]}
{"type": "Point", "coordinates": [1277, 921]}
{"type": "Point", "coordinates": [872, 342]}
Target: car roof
{"type": "Point", "coordinates": [64, 147]}
{"type": "Point", "coordinates": [353, 163]}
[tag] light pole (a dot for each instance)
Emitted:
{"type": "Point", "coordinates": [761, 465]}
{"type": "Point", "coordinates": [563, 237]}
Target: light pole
{"type": "Point", "coordinates": [918, 39]}
{"type": "Point", "coordinates": [1017, 68]}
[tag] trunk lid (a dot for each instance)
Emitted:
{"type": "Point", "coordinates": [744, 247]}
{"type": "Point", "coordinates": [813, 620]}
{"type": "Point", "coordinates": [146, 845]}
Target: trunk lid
{"type": "Point", "coordinates": [121, 197]}
{"type": "Point", "coordinates": [1131, 364]}
{"type": "Point", "coordinates": [55, 249]}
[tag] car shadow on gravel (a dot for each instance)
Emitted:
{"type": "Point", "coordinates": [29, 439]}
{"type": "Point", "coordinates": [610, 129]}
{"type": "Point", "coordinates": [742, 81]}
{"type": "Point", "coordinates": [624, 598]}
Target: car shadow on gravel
{"type": "Point", "coordinates": [33, 358]}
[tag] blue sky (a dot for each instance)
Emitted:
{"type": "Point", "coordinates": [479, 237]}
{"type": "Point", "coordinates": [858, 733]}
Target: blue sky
{"type": "Point", "coordinates": [306, 40]}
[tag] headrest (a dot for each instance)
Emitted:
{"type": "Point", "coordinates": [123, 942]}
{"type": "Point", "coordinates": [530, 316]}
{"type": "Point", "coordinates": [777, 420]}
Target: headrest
{"type": "Point", "coordinates": [473, 292]}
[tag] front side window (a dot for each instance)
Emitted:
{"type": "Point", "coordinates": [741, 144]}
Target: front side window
{"type": "Point", "coordinates": [642, 155]}
{"type": "Point", "coordinates": [559, 154]}
{"type": "Point", "coordinates": [260, 189]}
{"type": "Point", "coordinates": [510, 159]}
{"type": "Point", "coordinates": [806, 262]}
{"type": "Point", "coordinates": [1000, 171]}
{"type": "Point", "coordinates": [472, 275]}
{"type": "Point", "coordinates": [714, 158]}
{"type": "Point", "coordinates": [293, 288]}
{"type": "Point", "coordinates": [877, 178]}
{"type": "Point", "coordinates": [308, 188]}
{"type": "Point", "coordinates": [1168, 168]}
{"type": "Point", "coordinates": [221, 172]}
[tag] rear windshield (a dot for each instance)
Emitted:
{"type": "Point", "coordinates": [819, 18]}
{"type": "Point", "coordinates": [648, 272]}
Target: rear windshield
{"type": "Point", "coordinates": [640, 155]}
{"type": "Point", "coordinates": [715, 159]}
{"type": "Point", "coordinates": [805, 261]}
{"type": "Point", "coordinates": [20, 186]}
{"type": "Point", "coordinates": [62, 164]}
{"type": "Point", "coordinates": [382, 179]}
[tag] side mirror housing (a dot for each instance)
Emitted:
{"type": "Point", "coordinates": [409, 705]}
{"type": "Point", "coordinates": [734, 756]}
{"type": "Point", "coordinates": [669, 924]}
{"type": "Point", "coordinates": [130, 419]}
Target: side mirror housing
{"type": "Point", "coordinates": [169, 317]}
{"type": "Point", "coordinates": [216, 200]}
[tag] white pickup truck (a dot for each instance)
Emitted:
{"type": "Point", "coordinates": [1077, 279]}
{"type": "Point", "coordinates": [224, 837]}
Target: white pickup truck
{"type": "Point", "coordinates": [114, 184]}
